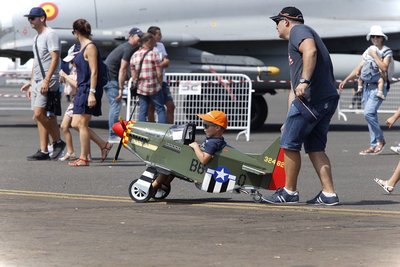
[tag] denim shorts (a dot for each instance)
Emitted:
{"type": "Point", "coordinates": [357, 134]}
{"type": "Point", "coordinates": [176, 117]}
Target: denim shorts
{"type": "Point", "coordinates": [166, 92]}
{"type": "Point", "coordinates": [298, 130]}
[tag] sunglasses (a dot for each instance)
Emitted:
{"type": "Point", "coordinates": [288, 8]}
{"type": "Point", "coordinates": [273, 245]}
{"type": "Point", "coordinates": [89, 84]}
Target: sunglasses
{"type": "Point", "coordinates": [376, 36]}
{"type": "Point", "coordinates": [73, 32]}
{"type": "Point", "coordinates": [32, 18]}
{"type": "Point", "coordinates": [206, 125]}
{"type": "Point", "coordinates": [277, 21]}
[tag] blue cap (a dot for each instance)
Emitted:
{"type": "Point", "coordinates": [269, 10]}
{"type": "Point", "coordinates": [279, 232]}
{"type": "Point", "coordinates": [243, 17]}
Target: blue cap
{"type": "Point", "coordinates": [136, 31]}
{"type": "Point", "coordinates": [36, 12]}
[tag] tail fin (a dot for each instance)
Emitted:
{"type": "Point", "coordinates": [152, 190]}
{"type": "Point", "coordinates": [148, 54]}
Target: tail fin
{"type": "Point", "coordinates": [273, 158]}
{"type": "Point", "coordinates": [278, 178]}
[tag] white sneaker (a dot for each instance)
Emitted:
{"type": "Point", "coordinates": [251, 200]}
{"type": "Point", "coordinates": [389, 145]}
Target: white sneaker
{"type": "Point", "coordinates": [68, 156]}
{"type": "Point", "coordinates": [395, 149]}
{"type": "Point", "coordinates": [114, 140]}
{"type": "Point", "coordinates": [50, 149]}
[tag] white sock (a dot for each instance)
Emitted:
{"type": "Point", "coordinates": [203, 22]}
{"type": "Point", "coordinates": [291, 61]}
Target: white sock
{"type": "Point", "coordinates": [329, 194]}
{"type": "Point", "coordinates": [292, 193]}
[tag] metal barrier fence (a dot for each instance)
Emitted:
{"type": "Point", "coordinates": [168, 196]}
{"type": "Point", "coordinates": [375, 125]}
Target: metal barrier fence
{"type": "Point", "coordinates": [198, 93]}
{"type": "Point", "coordinates": [351, 103]}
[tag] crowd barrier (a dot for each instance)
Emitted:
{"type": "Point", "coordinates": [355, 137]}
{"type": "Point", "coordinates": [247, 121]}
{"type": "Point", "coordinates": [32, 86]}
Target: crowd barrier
{"type": "Point", "coordinates": [198, 93]}
{"type": "Point", "coordinates": [351, 102]}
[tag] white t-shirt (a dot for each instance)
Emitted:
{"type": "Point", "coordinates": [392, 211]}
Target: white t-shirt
{"type": "Point", "coordinates": [160, 49]}
{"type": "Point", "coordinates": [382, 53]}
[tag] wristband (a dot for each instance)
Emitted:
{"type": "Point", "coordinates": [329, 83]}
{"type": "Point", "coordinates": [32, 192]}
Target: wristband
{"type": "Point", "coordinates": [91, 90]}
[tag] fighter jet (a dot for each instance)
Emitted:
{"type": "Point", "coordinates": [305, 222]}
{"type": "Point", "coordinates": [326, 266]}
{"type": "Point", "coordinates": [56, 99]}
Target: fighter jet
{"type": "Point", "coordinates": [214, 36]}
{"type": "Point", "coordinates": [165, 149]}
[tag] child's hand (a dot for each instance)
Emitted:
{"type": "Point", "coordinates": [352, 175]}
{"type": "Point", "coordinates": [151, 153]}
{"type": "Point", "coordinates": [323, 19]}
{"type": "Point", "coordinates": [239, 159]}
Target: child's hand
{"type": "Point", "coordinates": [194, 145]}
{"type": "Point", "coordinates": [390, 121]}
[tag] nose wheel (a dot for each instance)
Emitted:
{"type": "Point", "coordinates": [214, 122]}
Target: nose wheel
{"type": "Point", "coordinates": [140, 191]}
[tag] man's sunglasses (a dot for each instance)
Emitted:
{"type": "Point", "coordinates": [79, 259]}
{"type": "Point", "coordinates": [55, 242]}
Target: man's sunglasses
{"type": "Point", "coordinates": [376, 36]}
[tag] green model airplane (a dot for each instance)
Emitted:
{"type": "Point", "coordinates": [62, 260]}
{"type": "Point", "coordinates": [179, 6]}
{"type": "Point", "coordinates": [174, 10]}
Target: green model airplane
{"type": "Point", "coordinates": [164, 148]}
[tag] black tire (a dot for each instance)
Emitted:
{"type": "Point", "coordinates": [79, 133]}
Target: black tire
{"type": "Point", "coordinates": [259, 112]}
{"type": "Point", "coordinates": [139, 195]}
{"type": "Point", "coordinates": [162, 192]}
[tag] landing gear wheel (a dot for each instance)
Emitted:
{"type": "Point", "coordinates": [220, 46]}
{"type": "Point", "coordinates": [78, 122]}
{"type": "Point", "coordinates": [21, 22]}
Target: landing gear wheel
{"type": "Point", "coordinates": [139, 195]}
{"type": "Point", "coordinates": [257, 198]}
{"type": "Point", "coordinates": [162, 192]}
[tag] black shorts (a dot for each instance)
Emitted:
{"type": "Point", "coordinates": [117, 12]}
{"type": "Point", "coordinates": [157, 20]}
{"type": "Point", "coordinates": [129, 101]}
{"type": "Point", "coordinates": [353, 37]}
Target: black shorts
{"type": "Point", "coordinates": [53, 105]}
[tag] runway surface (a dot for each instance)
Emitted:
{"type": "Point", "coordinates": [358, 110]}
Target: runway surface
{"type": "Point", "coordinates": [55, 215]}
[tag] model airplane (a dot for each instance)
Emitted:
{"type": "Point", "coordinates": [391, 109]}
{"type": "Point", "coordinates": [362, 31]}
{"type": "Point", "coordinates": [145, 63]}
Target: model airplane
{"type": "Point", "coordinates": [214, 36]}
{"type": "Point", "coordinates": [164, 148]}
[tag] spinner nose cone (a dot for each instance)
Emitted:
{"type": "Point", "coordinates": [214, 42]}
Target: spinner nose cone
{"type": "Point", "coordinates": [119, 129]}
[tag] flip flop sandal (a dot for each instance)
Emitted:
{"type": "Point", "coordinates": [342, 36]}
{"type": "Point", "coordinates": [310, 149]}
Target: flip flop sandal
{"type": "Point", "coordinates": [383, 184]}
{"type": "Point", "coordinates": [79, 163]}
{"type": "Point", "coordinates": [369, 151]}
{"type": "Point", "coordinates": [379, 147]}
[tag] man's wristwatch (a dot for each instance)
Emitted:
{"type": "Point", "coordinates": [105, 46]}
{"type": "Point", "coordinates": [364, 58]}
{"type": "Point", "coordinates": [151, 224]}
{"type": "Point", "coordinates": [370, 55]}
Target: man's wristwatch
{"type": "Point", "coordinates": [305, 81]}
{"type": "Point", "coordinates": [92, 90]}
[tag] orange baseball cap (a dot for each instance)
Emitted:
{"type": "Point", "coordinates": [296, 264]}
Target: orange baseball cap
{"type": "Point", "coordinates": [215, 116]}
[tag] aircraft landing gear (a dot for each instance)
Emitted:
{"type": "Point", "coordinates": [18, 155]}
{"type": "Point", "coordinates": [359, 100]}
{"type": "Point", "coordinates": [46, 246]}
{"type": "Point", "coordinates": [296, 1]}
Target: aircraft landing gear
{"type": "Point", "coordinates": [257, 197]}
{"type": "Point", "coordinates": [140, 191]}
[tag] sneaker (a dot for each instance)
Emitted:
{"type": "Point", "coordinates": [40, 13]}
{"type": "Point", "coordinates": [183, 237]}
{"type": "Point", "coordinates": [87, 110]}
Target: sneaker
{"type": "Point", "coordinates": [68, 156]}
{"type": "Point", "coordinates": [282, 197]}
{"type": "Point", "coordinates": [50, 149]}
{"type": "Point", "coordinates": [58, 148]}
{"type": "Point", "coordinates": [114, 139]}
{"type": "Point", "coordinates": [395, 149]}
{"type": "Point", "coordinates": [321, 199]}
{"type": "Point", "coordinates": [39, 155]}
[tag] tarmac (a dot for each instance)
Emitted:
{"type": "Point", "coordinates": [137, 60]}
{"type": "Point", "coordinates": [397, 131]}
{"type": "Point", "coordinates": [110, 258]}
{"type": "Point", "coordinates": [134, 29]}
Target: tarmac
{"type": "Point", "coordinates": [56, 215]}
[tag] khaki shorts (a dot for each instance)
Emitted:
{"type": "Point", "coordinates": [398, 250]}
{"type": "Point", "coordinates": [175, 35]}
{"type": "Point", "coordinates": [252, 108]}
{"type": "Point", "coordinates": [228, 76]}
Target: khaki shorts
{"type": "Point", "coordinates": [37, 99]}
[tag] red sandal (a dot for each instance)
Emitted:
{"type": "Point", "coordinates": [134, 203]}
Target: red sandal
{"type": "Point", "coordinates": [79, 163]}
{"type": "Point", "coordinates": [105, 150]}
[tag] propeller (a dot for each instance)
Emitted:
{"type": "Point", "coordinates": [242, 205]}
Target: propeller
{"type": "Point", "coordinates": [121, 141]}
{"type": "Point", "coordinates": [123, 125]}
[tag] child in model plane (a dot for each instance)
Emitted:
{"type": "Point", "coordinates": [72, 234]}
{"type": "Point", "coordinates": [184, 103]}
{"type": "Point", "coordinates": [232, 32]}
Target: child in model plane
{"type": "Point", "coordinates": [215, 122]}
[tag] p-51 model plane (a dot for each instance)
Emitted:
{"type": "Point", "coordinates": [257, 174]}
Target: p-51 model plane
{"type": "Point", "coordinates": [165, 149]}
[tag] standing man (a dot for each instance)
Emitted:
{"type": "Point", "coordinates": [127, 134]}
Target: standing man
{"type": "Point", "coordinates": [149, 77]}
{"type": "Point", "coordinates": [313, 83]}
{"type": "Point", "coordinates": [164, 63]}
{"type": "Point", "coordinates": [43, 89]}
{"type": "Point", "coordinates": [118, 64]}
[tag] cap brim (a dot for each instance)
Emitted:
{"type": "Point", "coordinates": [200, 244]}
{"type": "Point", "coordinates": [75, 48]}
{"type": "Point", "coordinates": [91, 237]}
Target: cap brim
{"type": "Point", "coordinates": [276, 18]}
{"type": "Point", "coordinates": [69, 58]}
{"type": "Point", "coordinates": [33, 16]}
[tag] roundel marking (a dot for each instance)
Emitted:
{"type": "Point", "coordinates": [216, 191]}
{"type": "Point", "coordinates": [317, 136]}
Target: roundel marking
{"type": "Point", "coordinates": [51, 10]}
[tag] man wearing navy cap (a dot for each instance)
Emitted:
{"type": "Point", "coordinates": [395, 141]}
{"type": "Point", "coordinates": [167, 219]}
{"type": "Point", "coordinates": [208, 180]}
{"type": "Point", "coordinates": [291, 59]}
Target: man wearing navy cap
{"type": "Point", "coordinates": [313, 86]}
{"type": "Point", "coordinates": [44, 85]}
{"type": "Point", "coordinates": [118, 63]}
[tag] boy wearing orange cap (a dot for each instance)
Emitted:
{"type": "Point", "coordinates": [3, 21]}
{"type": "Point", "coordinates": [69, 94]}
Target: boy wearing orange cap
{"type": "Point", "coordinates": [215, 122]}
